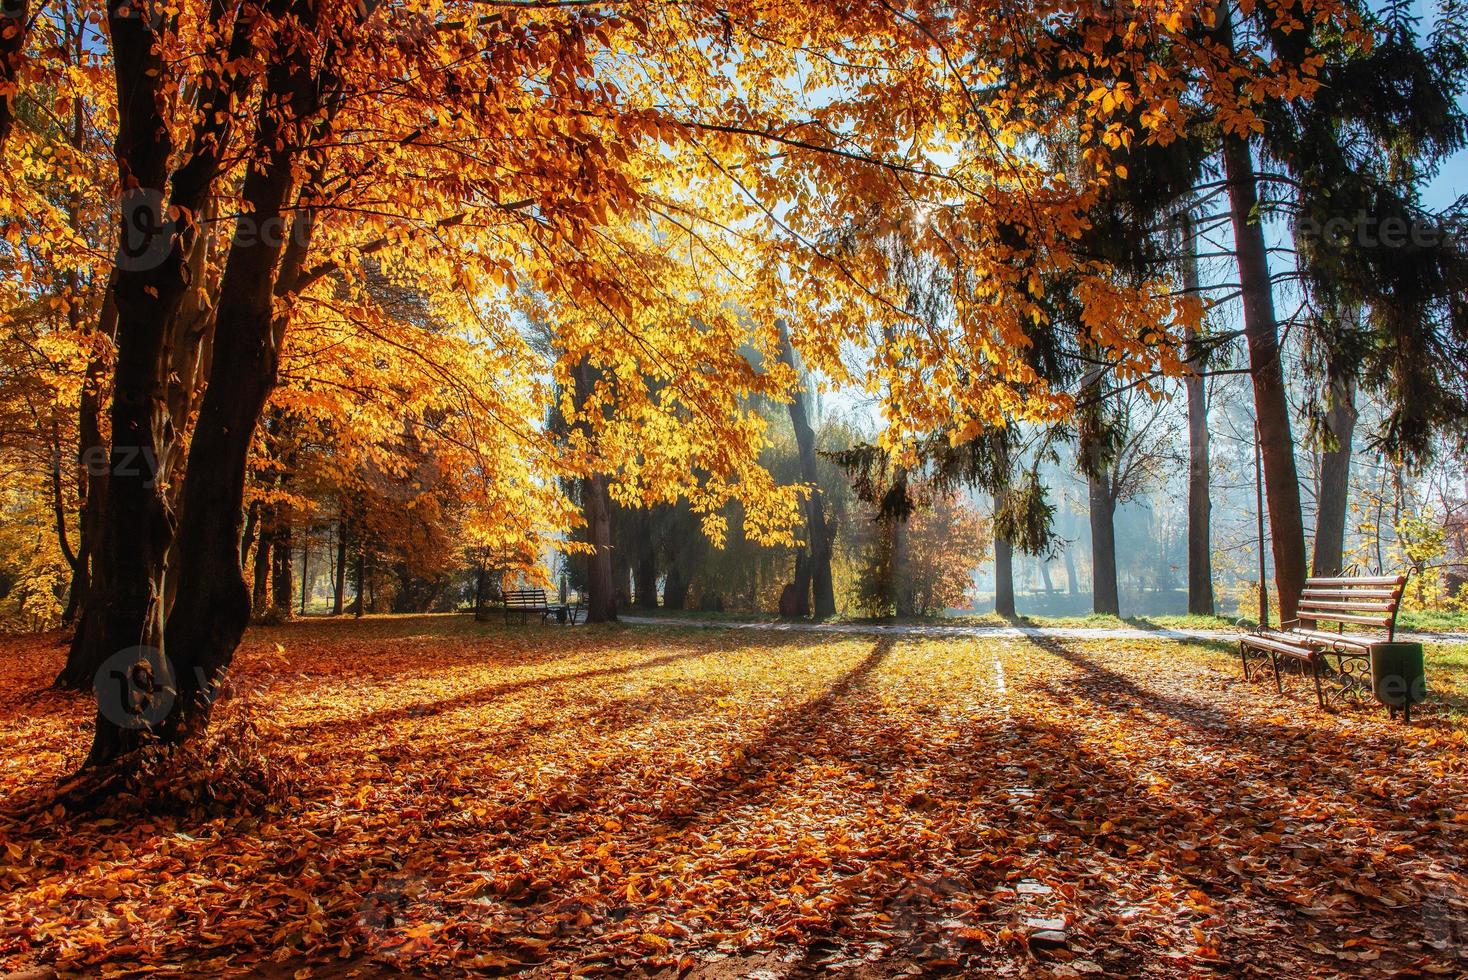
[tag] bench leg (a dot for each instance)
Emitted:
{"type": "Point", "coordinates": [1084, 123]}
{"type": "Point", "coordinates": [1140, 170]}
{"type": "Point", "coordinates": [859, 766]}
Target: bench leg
{"type": "Point", "coordinates": [1315, 665]}
{"type": "Point", "coordinates": [1244, 658]}
{"type": "Point", "coordinates": [1278, 681]}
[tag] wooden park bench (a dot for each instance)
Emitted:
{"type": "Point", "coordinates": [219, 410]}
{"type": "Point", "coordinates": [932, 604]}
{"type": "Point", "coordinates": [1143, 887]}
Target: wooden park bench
{"type": "Point", "coordinates": [526, 602]}
{"type": "Point", "coordinates": [1357, 601]}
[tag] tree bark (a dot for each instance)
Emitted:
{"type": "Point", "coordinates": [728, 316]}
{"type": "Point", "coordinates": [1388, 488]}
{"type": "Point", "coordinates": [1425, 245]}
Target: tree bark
{"type": "Point", "coordinates": [1003, 567]}
{"type": "Point", "coordinates": [212, 606]}
{"type": "Point", "coordinates": [149, 282]}
{"type": "Point", "coordinates": [1271, 399]}
{"type": "Point", "coordinates": [818, 535]}
{"type": "Point", "coordinates": [340, 587]}
{"type": "Point", "coordinates": [359, 601]}
{"type": "Point", "coordinates": [15, 20]}
{"type": "Point", "coordinates": [1104, 598]}
{"type": "Point", "coordinates": [1335, 482]}
{"type": "Point", "coordinates": [260, 591]}
{"type": "Point", "coordinates": [645, 570]}
{"type": "Point", "coordinates": [282, 569]}
{"type": "Point", "coordinates": [1200, 503]}
{"type": "Point", "coordinates": [601, 601]}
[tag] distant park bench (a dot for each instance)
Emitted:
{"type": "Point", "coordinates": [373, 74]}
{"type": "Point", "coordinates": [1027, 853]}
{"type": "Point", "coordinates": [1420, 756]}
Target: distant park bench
{"type": "Point", "coordinates": [1353, 600]}
{"type": "Point", "coordinates": [526, 602]}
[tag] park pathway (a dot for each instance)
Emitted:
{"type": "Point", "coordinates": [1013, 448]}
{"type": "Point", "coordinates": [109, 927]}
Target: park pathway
{"type": "Point", "coordinates": [978, 632]}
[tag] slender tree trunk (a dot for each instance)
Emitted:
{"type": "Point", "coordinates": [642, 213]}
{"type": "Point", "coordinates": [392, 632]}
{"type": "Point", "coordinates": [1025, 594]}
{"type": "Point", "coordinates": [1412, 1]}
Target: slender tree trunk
{"type": "Point", "coordinates": [305, 566]}
{"type": "Point", "coordinates": [1335, 481]}
{"type": "Point", "coordinates": [1072, 586]}
{"type": "Point", "coordinates": [359, 601]}
{"type": "Point", "coordinates": [1200, 503]}
{"type": "Point", "coordinates": [1045, 576]}
{"type": "Point", "coordinates": [282, 569]}
{"type": "Point", "coordinates": [261, 572]}
{"type": "Point", "coordinates": [1104, 599]}
{"type": "Point", "coordinates": [252, 527]}
{"type": "Point", "coordinates": [1271, 399]}
{"type": "Point", "coordinates": [340, 588]}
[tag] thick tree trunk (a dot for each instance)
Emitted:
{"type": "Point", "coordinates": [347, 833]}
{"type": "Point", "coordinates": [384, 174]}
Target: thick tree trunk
{"type": "Point", "coordinates": [15, 19]}
{"type": "Point", "coordinates": [212, 606]}
{"type": "Point", "coordinates": [645, 574]}
{"type": "Point", "coordinates": [601, 600]}
{"type": "Point", "coordinates": [1271, 399]}
{"type": "Point", "coordinates": [1003, 567]}
{"type": "Point", "coordinates": [1200, 503]}
{"type": "Point", "coordinates": [675, 587]}
{"type": "Point", "coordinates": [1335, 482]}
{"type": "Point", "coordinates": [818, 535]}
{"type": "Point", "coordinates": [149, 282]}
{"type": "Point", "coordinates": [1104, 599]}
{"type": "Point", "coordinates": [1003, 578]}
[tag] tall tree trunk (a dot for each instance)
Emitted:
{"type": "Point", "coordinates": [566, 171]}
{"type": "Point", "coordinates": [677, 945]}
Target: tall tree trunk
{"type": "Point", "coordinates": [158, 231]}
{"type": "Point", "coordinates": [645, 568]}
{"type": "Point", "coordinates": [1335, 481]}
{"type": "Point", "coordinates": [1271, 399]}
{"type": "Point", "coordinates": [359, 601]}
{"type": "Point", "coordinates": [305, 566]}
{"type": "Point", "coordinates": [675, 588]}
{"type": "Point", "coordinates": [212, 605]}
{"type": "Point", "coordinates": [1003, 567]}
{"type": "Point", "coordinates": [1072, 587]}
{"type": "Point", "coordinates": [1104, 599]}
{"type": "Point", "coordinates": [601, 600]}
{"type": "Point", "coordinates": [818, 534]}
{"type": "Point", "coordinates": [282, 570]}
{"type": "Point", "coordinates": [1200, 503]}
{"type": "Point", "coordinates": [15, 19]}
{"type": "Point", "coordinates": [261, 575]}
{"type": "Point", "coordinates": [252, 528]}
{"type": "Point", "coordinates": [1003, 578]}
{"type": "Point", "coordinates": [339, 590]}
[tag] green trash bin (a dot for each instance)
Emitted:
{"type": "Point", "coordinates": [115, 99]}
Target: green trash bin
{"type": "Point", "coordinates": [1398, 676]}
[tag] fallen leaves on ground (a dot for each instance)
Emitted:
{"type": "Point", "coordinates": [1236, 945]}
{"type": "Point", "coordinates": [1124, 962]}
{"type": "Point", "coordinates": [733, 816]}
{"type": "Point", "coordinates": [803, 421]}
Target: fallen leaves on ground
{"type": "Point", "coordinates": [470, 799]}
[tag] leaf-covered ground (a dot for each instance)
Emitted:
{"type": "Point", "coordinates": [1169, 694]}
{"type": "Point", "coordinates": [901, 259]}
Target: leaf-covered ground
{"type": "Point", "coordinates": [452, 798]}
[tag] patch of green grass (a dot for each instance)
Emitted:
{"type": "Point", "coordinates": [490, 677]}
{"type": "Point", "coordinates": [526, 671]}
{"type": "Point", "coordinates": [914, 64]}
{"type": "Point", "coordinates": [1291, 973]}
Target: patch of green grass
{"type": "Point", "coordinates": [1433, 621]}
{"type": "Point", "coordinates": [1447, 676]}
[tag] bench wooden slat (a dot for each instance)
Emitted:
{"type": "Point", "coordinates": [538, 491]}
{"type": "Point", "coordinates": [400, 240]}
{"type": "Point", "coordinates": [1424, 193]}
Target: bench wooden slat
{"type": "Point", "coordinates": [1297, 651]}
{"type": "Point", "coordinates": [1340, 617]}
{"type": "Point", "coordinates": [1350, 594]}
{"type": "Point", "coordinates": [1323, 605]}
{"type": "Point", "coordinates": [1365, 580]}
{"type": "Point", "coordinates": [1356, 641]}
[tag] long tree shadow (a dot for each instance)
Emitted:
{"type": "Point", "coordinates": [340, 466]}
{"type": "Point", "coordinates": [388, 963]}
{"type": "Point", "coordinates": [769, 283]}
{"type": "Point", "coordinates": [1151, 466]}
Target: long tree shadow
{"type": "Point", "coordinates": [1118, 689]}
{"type": "Point", "coordinates": [489, 692]}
